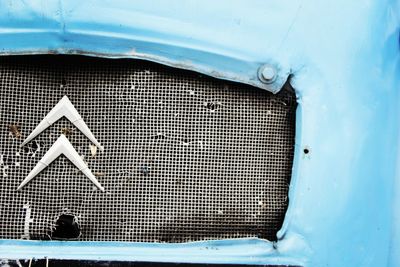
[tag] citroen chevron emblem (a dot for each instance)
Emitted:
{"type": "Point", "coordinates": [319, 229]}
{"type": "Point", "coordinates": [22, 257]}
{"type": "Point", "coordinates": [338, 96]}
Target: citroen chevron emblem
{"type": "Point", "coordinates": [64, 108]}
{"type": "Point", "coordinates": [61, 146]}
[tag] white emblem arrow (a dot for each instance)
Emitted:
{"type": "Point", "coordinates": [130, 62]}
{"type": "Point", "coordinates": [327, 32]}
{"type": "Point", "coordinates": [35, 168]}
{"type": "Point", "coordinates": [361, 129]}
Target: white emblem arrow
{"type": "Point", "coordinates": [64, 108]}
{"type": "Point", "coordinates": [61, 146]}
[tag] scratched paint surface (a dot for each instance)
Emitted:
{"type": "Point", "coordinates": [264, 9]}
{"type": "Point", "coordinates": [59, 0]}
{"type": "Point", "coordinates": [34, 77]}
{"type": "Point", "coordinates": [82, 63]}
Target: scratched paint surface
{"type": "Point", "coordinates": [344, 57]}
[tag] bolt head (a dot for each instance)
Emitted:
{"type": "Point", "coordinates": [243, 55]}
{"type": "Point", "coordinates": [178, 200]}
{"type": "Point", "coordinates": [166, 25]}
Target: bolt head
{"type": "Point", "coordinates": [267, 74]}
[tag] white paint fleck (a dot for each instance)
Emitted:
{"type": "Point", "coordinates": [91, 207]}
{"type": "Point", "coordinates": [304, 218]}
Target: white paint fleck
{"type": "Point", "coordinates": [201, 145]}
{"type": "Point", "coordinates": [3, 167]}
{"type": "Point", "coordinates": [93, 150]}
{"type": "Point", "coordinates": [27, 221]}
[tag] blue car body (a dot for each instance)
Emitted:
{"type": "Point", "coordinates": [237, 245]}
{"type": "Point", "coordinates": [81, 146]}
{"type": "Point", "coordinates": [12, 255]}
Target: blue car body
{"type": "Point", "coordinates": [343, 61]}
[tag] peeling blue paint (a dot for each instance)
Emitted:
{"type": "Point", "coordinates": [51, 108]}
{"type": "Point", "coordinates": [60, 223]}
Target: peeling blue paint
{"type": "Point", "coordinates": [344, 57]}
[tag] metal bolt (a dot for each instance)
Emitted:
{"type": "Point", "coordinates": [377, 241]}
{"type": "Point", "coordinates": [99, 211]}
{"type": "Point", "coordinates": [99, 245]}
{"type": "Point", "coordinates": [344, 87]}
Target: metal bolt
{"type": "Point", "coordinates": [267, 74]}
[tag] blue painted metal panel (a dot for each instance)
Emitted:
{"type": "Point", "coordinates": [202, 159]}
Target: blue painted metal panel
{"type": "Point", "coordinates": [344, 57]}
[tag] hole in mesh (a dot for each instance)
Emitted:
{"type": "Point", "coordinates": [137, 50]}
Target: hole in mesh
{"type": "Point", "coordinates": [66, 228]}
{"type": "Point", "coordinates": [212, 106]}
{"type": "Point", "coordinates": [63, 82]}
{"type": "Point", "coordinates": [32, 147]}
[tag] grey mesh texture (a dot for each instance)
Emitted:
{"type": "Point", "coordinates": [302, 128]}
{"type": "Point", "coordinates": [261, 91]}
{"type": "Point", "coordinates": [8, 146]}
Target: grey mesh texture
{"type": "Point", "coordinates": [186, 157]}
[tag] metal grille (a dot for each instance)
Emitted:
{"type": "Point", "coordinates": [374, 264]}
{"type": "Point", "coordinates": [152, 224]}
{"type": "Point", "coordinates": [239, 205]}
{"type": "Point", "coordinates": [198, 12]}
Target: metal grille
{"type": "Point", "coordinates": [186, 157]}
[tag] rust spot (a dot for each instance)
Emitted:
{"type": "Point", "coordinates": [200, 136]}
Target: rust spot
{"type": "Point", "coordinates": [99, 174]}
{"type": "Point", "coordinates": [15, 130]}
{"type": "Point", "coordinates": [66, 131]}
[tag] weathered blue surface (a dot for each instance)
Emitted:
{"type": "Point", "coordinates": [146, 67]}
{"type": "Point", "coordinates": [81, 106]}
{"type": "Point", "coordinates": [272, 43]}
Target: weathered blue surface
{"type": "Point", "coordinates": [345, 194]}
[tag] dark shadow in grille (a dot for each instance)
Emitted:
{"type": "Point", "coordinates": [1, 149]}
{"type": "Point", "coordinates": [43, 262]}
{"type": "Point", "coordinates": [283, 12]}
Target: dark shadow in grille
{"type": "Point", "coordinates": [186, 157]}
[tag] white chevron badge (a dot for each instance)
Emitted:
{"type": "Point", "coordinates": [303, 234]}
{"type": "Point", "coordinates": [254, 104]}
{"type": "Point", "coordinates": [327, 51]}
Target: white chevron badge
{"type": "Point", "coordinates": [64, 108]}
{"type": "Point", "coordinates": [62, 146]}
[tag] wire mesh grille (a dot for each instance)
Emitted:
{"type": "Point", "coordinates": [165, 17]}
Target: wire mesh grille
{"type": "Point", "coordinates": [186, 157]}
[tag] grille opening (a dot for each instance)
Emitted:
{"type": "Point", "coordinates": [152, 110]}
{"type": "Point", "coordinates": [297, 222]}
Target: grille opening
{"type": "Point", "coordinates": [66, 228]}
{"type": "Point", "coordinates": [187, 157]}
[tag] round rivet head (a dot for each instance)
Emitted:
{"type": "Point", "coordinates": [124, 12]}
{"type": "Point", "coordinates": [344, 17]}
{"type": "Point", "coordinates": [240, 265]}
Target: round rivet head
{"type": "Point", "coordinates": [267, 74]}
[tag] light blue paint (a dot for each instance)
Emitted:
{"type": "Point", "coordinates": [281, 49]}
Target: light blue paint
{"type": "Point", "coordinates": [252, 251]}
{"type": "Point", "coordinates": [344, 55]}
